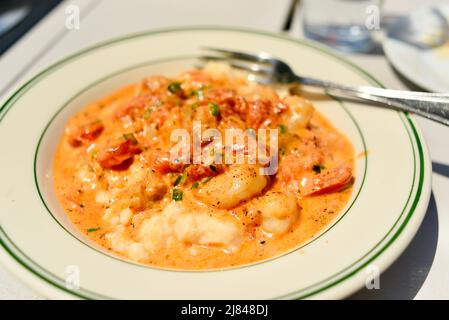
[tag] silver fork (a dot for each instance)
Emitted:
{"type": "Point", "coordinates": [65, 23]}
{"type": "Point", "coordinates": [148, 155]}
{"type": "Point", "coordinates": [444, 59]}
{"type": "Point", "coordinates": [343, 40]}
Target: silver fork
{"type": "Point", "coordinates": [266, 69]}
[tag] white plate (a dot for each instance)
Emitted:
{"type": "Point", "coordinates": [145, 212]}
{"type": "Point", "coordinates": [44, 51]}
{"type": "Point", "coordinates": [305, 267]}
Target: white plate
{"type": "Point", "coordinates": [40, 245]}
{"type": "Point", "coordinates": [426, 68]}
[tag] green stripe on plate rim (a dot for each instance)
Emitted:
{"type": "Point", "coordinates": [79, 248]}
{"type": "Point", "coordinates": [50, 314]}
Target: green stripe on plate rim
{"type": "Point", "coordinates": [327, 283]}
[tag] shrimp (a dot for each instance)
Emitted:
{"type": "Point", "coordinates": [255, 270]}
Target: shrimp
{"type": "Point", "coordinates": [299, 113]}
{"type": "Point", "coordinates": [278, 210]}
{"type": "Point", "coordinates": [304, 154]}
{"type": "Point", "coordinates": [239, 183]}
{"type": "Point", "coordinates": [328, 181]}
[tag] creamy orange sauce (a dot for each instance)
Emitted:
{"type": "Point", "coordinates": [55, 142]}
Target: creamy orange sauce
{"type": "Point", "coordinates": [113, 178]}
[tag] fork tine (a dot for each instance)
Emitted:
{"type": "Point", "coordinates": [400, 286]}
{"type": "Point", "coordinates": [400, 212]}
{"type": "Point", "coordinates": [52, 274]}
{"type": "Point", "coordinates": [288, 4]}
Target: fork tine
{"type": "Point", "coordinates": [243, 66]}
{"type": "Point", "coordinates": [261, 57]}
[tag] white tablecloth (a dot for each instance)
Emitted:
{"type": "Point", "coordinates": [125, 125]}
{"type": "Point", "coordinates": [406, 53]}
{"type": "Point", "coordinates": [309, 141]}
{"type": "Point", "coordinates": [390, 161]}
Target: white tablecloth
{"type": "Point", "coordinates": [422, 272]}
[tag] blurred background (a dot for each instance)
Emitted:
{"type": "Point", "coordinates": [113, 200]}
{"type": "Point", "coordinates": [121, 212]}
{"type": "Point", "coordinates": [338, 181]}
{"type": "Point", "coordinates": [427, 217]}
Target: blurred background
{"type": "Point", "coordinates": [348, 25]}
{"type": "Point", "coordinates": [18, 16]}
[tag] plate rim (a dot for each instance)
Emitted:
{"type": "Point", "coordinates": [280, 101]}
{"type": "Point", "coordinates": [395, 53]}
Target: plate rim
{"type": "Point", "coordinates": [40, 282]}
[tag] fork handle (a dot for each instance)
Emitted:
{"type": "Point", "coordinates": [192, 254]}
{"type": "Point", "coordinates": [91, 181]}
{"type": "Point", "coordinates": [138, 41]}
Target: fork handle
{"type": "Point", "coordinates": [434, 106]}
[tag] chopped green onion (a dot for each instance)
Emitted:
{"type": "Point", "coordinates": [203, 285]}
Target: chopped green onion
{"type": "Point", "coordinates": [214, 109]}
{"type": "Point", "coordinates": [181, 179]}
{"type": "Point", "coordinates": [148, 113]}
{"type": "Point", "coordinates": [283, 128]}
{"type": "Point", "coordinates": [92, 230]}
{"type": "Point", "coordinates": [174, 87]}
{"type": "Point", "coordinates": [131, 137]}
{"type": "Point", "coordinates": [195, 185]}
{"type": "Point", "coordinates": [206, 180]}
{"type": "Point", "coordinates": [194, 106]}
{"type": "Point", "coordinates": [177, 194]}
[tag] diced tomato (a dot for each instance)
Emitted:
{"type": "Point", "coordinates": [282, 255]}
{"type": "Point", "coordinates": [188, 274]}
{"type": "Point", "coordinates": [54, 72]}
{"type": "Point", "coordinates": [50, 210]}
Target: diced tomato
{"type": "Point", "coordinates": [162, 164]}
{"type": "Point", "coordinates": [86, 133]}
{"type": "Point", "coordinates": [328, 181]}
{"type": "Point", "coordinates": [231, 103]}
{"type": "Point", "coordinates": [117, 154]}
{"type": "Point", "coordinates": [258, 112]}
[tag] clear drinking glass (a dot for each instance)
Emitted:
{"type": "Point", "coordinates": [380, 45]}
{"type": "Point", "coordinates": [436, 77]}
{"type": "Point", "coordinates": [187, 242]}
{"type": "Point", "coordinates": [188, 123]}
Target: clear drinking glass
{"type": "Point", "coordinates": [347, 25]}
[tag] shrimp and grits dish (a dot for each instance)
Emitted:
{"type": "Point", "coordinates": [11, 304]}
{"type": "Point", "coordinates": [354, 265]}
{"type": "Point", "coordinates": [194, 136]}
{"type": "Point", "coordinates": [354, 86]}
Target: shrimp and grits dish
{"type": "Point", "coordinates": [116, 178]}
